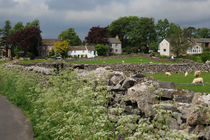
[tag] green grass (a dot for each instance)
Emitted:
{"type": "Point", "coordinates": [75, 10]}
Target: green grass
{"type": "Point", "coordinates": [135, 59]}
{"type": "Point", "coordinates": [2, 62]}
{"type": "Point", "coordinates": [179, 78]}
{"type": "Point", "coordinates": [36, 61]}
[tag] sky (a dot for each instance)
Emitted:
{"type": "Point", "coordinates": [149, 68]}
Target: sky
{"type": "Point", "coordinates": [56, 16]}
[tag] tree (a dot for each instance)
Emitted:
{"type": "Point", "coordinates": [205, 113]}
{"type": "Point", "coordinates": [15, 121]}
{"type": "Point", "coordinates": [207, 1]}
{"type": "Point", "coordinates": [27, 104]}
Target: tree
{"type": "Point", "coordinates": [6, 31]}
{"type": "Point", "coordinates": [179, 42]}
{"type": "Point", "coordinates": [189, 31]}
{"type": "Point", "coordinates": [134, 31]}
{"type": "Point", "coordinates": [102, 49]}
{"type": "Point", "coordinates": [203, 33]}
{"type": "Point", "coordinates": [18, 27]}
{"type": "Point", "coordinates": [162, 28]}
{"type": "Point", "coordinates": [35, 23]}
{"type": "Point", "coordinates": [61, 48]}
{"type": "Point", "coordinates": [97, 35]}
{"type": "Point", "coordinates": [71, 37]}
{"type": "Point", "coordinates": [28, 40]}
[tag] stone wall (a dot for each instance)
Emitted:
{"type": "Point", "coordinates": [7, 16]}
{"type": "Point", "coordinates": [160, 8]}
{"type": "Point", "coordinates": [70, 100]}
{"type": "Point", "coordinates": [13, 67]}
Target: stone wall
{"type": "Point", "coordinates": [154, 68]}
{"type": "Point", "coordinates": [133, 68]}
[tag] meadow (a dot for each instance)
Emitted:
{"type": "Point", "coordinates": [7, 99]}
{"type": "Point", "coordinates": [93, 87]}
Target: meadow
{"type": "Point", "coordinates": [135, 59]}
{"type": "Point", "coordinates": [183, 82]}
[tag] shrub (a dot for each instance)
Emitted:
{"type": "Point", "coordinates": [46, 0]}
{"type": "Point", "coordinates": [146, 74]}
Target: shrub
{"type": "Point", "coordinates": [102, 50]}
{"type": "Point", "coordinates": [205, 56]}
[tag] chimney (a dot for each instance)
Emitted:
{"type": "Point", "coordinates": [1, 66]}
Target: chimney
{"type": "Point", "coordinates": [117, 37]}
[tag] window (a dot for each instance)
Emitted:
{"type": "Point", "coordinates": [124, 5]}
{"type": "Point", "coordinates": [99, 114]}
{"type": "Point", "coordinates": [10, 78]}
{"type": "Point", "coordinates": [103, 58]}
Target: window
{"type": "Point", "coordinates": [83, 51]}
{"type": "Point", "coordinates": [74, 51]}
{"type": "Point", "coordinates": [164, 50]}
{"type": "Point", "coordinates": [116, 50]}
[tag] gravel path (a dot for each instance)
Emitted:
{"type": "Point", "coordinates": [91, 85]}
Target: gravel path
{"type": "Point", "coordinates": [13, 123]}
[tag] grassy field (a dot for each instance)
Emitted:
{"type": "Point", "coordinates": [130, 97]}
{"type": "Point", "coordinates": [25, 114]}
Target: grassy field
{"type": "Point", "coordinates": [36, 61]}
{"type": "Point", "coordinates": [135, 59]}
{"type": "Point", "coordinates": [179, 78]}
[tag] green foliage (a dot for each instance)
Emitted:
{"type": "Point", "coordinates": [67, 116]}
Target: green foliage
{"type": "Point", "coordinates": [205, 56]}
{"type": "Point", "coordinates": [70, 36]}
{"type": "Point", "coordinates": [35, 23]}
{"type": "Point", "coordinates": [101, 49]}
{"type": "Point", "coordinates": [162, 28]}
{"type": "Point", "coordinates": [180, 78]}
{"type": "Point", "coordinates": [134, 31]}
{"type": "Point", "coordinates": [61, 48]}
{"type": "Point", "coordinates": [179, 42]}
{"type": "Point", "coordinates": [18, 27]}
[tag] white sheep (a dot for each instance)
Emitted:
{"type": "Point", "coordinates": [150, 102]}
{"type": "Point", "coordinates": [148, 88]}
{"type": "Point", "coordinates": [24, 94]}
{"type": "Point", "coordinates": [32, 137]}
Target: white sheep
{"type": "Point", "coordinates": [197, 73]}
{"type": "Point", "coordinates": [198, 80]}
{"type": "Point", "coordinates": [123, 61]}
{"type": "Point", "coordinates": [167, 73]}
{"type": "Point", "coordinates": [186, 74]}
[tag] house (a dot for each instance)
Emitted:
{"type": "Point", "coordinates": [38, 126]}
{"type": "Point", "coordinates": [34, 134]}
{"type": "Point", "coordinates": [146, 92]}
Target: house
{"type": "Point", "coordinates": [82, 51]}
{"type": "Point", "coordinates": [198, 44]}
{"type": "Point", "coordinates": [115, 45]}
{"type": "Point", "coordinates": [47, 47]}
{"type": "Point", "coordinates": [2, 52]}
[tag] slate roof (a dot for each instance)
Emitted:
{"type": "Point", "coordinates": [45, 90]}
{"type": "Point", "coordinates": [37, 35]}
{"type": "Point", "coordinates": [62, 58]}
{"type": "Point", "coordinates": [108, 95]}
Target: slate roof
{"type": "Point", "coordinates": [49, 42]}
{"type": "Point", "coordinates": [74, 48]}
{"type": "Point", "coordinates": [202, 40]}
{"type": "Point", "coordinates": [114, 41]}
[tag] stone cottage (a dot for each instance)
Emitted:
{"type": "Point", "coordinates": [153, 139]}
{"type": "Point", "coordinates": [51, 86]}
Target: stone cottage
{"type": "Point", "coordinates": [47, 46]}
{"type": "Point", "coordinates": [115, 45]}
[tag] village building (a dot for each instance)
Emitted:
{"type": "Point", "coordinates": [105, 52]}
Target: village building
{"type": "Point", "coordinates": [82, 51]}
{"type": "Point", "coordinates": [198, 45]}
{"type": "Point", "coordinates": [47, 47]}
{"type": "Point", "coordinates": [115, 45]}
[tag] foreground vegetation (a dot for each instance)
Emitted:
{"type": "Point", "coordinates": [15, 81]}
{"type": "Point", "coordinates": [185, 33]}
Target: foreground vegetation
{"type": "Point", "coordinates": [65, 107]}
{"type": "Point", "coordinates": [186, 81]}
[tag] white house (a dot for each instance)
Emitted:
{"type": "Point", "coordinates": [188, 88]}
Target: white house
{"type": "Point", "coordinates": [115, 45]}
{"type": "Point", "coordinates": [165, 48]}
{"type": "Point", "coordinates": [82, 51]}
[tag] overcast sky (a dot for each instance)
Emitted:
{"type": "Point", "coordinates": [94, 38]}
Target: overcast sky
{"type": "Point", "coordinates": [58, 15]}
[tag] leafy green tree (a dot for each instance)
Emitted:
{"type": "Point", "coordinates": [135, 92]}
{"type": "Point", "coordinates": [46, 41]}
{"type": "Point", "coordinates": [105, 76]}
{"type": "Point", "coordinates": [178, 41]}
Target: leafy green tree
{"type": "Point", "coordinates": [18, 27]}
{"type": "Point", "coordinates": [35, 23]}
{"type": "Point", "coordinates": [162, 28]}
{"type": "Point", "coordinates": [179, 42]}
{"type": "Point", "coordinates": [6, 31]}
{"type": "Point", "coordinates": [61, 48]}
{"type": "Point", "coordinates": [134, 31]}
{"type": "Point", "coordinates": [190, 32]}
{"type": "Point", "coordinates": [71, 37]}
{"type": "Point", "coordinates": [102, 49]}
{"type": "Point", "coordinates": [203, 33]}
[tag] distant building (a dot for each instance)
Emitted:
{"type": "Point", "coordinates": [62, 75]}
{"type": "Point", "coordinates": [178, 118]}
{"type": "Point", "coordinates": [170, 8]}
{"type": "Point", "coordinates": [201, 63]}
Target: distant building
{"type": "Point", "coordinates": [115, 45]}
{"type": "Point", "coordinates": [47, 46]}
{"type": "Point", "coordinates": [82, 51]}
{"type": "Point", "coordinates": [198, 44]}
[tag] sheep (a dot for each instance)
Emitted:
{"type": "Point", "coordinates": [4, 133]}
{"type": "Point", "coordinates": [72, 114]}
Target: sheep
{"type": "Point", "coordinates": [197, 73]}
{"type": "Point", "coordinates": [198, 80]}
{"type": "Point", "coordinates": [167, 73]}
{"type": "Point", "coordinates": [186, 74]}
{"type": "Point", "coordinates": [123, 61]}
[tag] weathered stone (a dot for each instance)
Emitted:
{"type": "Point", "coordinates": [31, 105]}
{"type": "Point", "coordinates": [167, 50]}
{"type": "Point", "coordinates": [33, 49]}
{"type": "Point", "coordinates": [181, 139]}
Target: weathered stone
{"type": "Point", "coordinates": [140, 93]}
{"type": "Point", "coordinates": [165, 94]}
{"type": "Point", "coordinates": [168, 85]}
{"type": "Point", "coordinates": [199, 115]}
{"type": "Point", "coordinates": [167, 106]}
{"type": "Point", "coordinates": [128, 82]}
{"type": "Point", "coordinates": [116, 78]}
{"type": "Point", "coordinates": [173, 124]}
{"type": "Point", "coordinates": [139, 75]}
{"type": "Point", "coordinates": [183, 96]}
{"type": "Point", "coordinates": [202, 132]}
{"type": "Point", "coordinates": [184, 108]}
